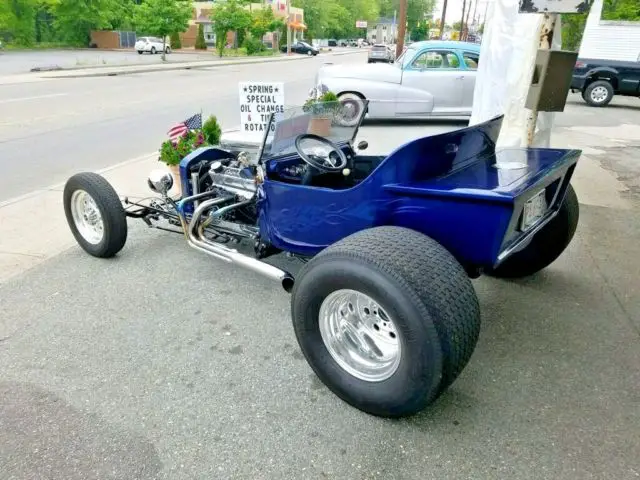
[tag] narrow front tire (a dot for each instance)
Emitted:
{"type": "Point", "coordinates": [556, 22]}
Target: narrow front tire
{"type": "Point", "coordinates": [95, 214]}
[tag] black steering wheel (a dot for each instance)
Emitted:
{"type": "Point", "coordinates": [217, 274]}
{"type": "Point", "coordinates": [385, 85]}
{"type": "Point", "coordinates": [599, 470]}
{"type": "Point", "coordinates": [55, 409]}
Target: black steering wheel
{"type": "Point", "coordinates": [324, 160]}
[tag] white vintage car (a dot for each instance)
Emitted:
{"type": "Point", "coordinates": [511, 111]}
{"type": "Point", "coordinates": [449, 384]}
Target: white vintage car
{"type": "Point", "coordinates": [430, 78]}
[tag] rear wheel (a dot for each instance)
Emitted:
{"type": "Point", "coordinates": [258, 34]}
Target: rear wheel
{"type": "Point", "coordinates": [387, 318]}
{"type": "Point", "coordinates": [351, 108]}
{"type": "Point", "coordinates": [140, 52]}
{"type": "Point", "coordinates": [547, 245]}
{"type": "Point", "coordinates": [95, 214]}
{"type": "Point", "coordinates": [153, 50]}
{"type": "Point", "coordinates": [598, 93]}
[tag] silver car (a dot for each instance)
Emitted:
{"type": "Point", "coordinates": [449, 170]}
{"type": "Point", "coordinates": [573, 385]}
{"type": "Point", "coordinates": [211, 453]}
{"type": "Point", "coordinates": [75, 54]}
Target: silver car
{"type": "Point", "coordinates": [430, 78]}
{"type": "Point", "coordinates": [380, 53]}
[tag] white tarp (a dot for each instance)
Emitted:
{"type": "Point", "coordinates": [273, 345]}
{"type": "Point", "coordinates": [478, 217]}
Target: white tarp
{"type": "Point", "coordinates": [507, 57]}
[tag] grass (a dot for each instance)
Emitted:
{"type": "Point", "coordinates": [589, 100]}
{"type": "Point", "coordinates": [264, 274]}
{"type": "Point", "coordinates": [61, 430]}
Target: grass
{"type": "Point", "coordinates": [42, 46]}
{"type": "Point", "coordinates": [242, 52]}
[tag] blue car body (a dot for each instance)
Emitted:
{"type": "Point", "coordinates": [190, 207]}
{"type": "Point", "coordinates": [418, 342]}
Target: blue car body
{"type": "Point", "coordinates": [454, 187]}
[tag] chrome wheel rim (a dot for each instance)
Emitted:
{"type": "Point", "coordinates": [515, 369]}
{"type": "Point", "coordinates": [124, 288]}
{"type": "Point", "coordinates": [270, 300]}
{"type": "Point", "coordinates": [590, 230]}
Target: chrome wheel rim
{"type": "Point", "coordinates": [599, 94]}
{"type": "Point", "coordinates": [359, 335]}
{"type": "Point", "coordinates": [87, 217]}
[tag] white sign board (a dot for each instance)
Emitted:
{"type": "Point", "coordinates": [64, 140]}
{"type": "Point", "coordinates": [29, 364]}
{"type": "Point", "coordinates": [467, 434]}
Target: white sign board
{"type": "Point", "coordinates": [361, 24]}
{"type": "Point", "coordinates": [258, 100]}
{"type": "Point", "coordinates": [554, 6]}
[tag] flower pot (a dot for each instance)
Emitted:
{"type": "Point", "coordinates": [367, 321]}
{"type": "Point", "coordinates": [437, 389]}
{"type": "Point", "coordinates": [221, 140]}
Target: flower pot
{"type": "Point", "coordinates": [320, 126]}
{"type": "Point", "coordinates": [177, 183]}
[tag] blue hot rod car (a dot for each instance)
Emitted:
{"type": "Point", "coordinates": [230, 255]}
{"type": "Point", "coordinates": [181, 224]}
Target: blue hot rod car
{"type": "Point", "coordinates": [383, 306]}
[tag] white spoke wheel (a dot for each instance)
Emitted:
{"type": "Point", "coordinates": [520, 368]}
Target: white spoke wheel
{"type": "Point", "coordinates": [87, 217]}
{"type": "Point", "coordinates": [95, 214]}
{"type": "Point", "coordinates": [387, 319]}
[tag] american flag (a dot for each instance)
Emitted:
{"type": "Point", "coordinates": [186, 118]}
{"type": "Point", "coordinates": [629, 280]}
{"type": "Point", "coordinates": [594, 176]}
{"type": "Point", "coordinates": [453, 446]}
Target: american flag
{"type": "Point", "coordinates": [181, 128]}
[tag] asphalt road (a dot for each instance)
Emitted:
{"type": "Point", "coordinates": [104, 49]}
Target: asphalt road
{"type": "Point", "coordinates": [14, 62]}
{"type": "Point", "coordinates": [163, 363]}
{"type": "Point", "coordinates": [51, 129]}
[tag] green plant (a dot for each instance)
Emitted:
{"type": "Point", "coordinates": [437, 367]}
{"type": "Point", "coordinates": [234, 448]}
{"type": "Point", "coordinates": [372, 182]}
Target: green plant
{"type": "Point", "coordinates": [176, 43]}
{"type": "Point", "coordinates": [172, 152]}
{"type": "Point", "coordinates": [253, 46]}
{"type": "Point", "coordinates": [200, 43]}
{"type": "Point", "coordinates": [322, 104]}
{"type": "Point", "coordinates": [212, 131]}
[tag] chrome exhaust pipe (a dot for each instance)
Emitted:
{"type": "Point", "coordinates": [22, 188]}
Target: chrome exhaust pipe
{"type": "Point", "coordinates": [231, 255]}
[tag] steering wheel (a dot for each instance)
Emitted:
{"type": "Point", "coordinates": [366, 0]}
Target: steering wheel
{"type": "Point", "coordinates": [324, 160]}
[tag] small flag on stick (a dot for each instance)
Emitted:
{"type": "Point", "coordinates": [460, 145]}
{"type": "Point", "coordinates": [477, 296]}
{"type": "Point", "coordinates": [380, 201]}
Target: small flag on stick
{"type": "Point", "coordinates": [191, 123]}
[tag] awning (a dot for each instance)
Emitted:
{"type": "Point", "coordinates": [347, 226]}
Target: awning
{"type": "Point", "coordinates": [298, 25]}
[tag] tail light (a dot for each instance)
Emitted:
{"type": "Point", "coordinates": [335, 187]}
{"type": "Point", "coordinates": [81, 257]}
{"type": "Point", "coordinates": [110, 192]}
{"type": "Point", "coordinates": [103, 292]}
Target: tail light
{"type": "Point", "coordinates": [580, 64]}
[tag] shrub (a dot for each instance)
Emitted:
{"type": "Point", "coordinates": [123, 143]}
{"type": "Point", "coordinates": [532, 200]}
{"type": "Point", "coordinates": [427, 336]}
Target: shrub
{"type": "Point", "coordinates": [253, 46]}
{"type": "Point", "coordinates": [200, 43]}
{"type": "Point", "coordinates": [212, 131]}
{"type": "Point", "coordinates": [176, 43]}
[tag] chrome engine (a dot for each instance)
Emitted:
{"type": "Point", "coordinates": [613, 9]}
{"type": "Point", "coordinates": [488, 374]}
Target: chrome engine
{"type": "Point", "coordinates": [238, 180]}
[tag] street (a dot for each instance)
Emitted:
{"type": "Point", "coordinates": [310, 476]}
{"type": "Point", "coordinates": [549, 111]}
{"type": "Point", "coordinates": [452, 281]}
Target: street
{"type": "Point", "coordinates": [164, 363]}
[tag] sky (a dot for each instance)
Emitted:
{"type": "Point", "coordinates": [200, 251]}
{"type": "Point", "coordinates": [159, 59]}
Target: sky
{"type": "Point", "coordinates": [454, 10]}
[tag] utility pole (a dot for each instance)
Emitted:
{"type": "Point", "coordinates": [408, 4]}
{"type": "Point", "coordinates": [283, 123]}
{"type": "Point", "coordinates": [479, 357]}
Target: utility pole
{"type": "Point", "coordinates": [464, 4]}
{"type": "Point", "coordinates": [467, 20]}
{"type": "Point", "coordinates": [288, 27]}
{"type": "Point", "coordinates": [402, 27]}
{"type": "Point", "coordinates": [444, 15]}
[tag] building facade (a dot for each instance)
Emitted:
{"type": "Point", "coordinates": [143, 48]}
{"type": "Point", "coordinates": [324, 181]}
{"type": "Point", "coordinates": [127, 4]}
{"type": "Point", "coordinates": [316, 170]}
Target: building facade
{"type": "Point", "coordinates": [202, 15]}
{"type": "Point", "coordinates": [383, 31]}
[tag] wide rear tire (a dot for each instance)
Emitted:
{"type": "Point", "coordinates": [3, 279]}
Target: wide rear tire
{"type": "Point", "coordinates": [420, 299]}
{"type": "Point", "coordinates": [95, 214]}
{"type": "Point", "coordinates": [547, 245]}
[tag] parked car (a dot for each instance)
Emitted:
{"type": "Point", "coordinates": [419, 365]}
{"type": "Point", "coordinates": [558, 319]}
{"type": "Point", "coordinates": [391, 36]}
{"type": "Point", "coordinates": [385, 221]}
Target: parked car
{"type": "Point", "coordinates": [152, 45]}
{"type": "Point", "coordinates": [430, 78]}
{"type": "Point", "coordinates": [332, 43]}
{"type": "Point", "coordinates": [600, 80]}
{"type": "Point", "coordinates": [380, 53]}
{"type": "Point", "coordinates": [301, 47]}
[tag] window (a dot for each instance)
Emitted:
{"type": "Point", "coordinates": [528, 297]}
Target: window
{"type": "Point", "coordinates": [471, 60]}
{"type": "Point", "coordinates": [436, 59]}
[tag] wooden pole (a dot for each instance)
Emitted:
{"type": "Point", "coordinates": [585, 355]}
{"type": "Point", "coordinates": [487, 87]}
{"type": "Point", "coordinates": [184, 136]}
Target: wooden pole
{"type": "Point", "coordinates": [545, 35]}
{"type": "Point", "coordinates": [402, 27]}
{"type": "Point", "coordinates": [464, 4]}
{"type": "Point", "coordinates": [466, 22]}
{"type": "Point", "coordinates": [444, 15]}
{"type": "Point", "coordinates": [288, 27]}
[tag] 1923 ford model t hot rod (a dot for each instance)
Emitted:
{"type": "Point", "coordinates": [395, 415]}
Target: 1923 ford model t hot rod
{"type": "Point", "coordinates": [383, 308]}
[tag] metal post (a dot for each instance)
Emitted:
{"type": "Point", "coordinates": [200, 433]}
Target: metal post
{"type": "Point", "coordinates": [545, 36]}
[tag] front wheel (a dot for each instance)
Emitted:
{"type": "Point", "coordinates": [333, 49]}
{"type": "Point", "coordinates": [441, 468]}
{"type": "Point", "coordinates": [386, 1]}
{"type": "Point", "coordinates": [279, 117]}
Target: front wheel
{"type": "Point", "coordinates": [387, 319]}
{"type": "Point", "coordinates": [153, 50]}
{"type": "Point", "coordinates": [547, 245]}
{"type": "Point", "coordinates": [95, 214]}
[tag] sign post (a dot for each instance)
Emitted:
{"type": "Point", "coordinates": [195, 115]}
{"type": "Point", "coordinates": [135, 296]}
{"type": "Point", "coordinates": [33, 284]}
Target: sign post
{"type": "Point", "coordinates": [258, 100]}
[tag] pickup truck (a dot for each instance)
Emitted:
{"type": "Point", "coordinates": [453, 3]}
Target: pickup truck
{"type": "Point", "coordinates": [600, 80]}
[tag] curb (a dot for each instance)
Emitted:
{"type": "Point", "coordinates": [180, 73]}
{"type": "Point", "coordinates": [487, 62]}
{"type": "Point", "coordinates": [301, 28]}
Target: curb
{"type": "Point", "coordinates": [130, 70]}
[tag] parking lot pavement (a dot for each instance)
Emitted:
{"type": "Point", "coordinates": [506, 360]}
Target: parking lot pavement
{"type": "Point", "coordinates": [163, 363]}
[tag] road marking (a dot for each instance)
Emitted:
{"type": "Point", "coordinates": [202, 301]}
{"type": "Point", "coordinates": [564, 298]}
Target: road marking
{"type": "Point", "coordinates": [38, 97]}
{"type": "Point", "coordinates": [57, 186]}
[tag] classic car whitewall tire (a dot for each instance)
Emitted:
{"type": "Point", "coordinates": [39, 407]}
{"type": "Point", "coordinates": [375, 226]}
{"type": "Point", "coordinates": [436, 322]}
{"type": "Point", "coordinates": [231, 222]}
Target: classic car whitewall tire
{"type": "Point", "coordinates": [547, 245]}
{"type": "Point", "coordinates": [352, 105]}
{"type": "Point", "coordinates": [387, 319]}
{"type": "Point", "coordinates": [95, 214]}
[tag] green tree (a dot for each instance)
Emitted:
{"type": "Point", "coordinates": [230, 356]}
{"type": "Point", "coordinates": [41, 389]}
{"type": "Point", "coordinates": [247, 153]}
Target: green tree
{"type": "Point", "coordinates": [628, 10]}
{"type": "Point", "coordinates": [176, 43]}
{"type": "Point", "coordinates": [74, 19]}
{"type": "Point", "coordinates": [18, 17]}
{"type": "Point", "coordinates": [229, 16]}
{"type": "Point", "coordinates": [200, 43]}
{"type": "Point", "coordinates": [161, 18]}
{"type": "Point", "coordinates": [264, 21]}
